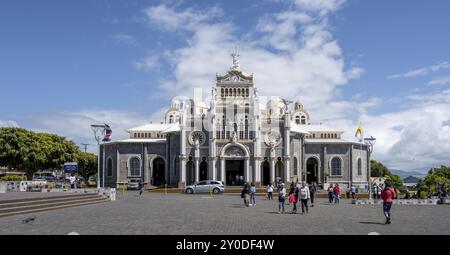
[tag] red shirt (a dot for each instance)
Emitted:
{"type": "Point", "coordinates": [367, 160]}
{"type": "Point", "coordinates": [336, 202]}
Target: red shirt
{"type": "Point", "coordinates": [337, 190]}
{"type": "Point", "coordinates": [388, 194]}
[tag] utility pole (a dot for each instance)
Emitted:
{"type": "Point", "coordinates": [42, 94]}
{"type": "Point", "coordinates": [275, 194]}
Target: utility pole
{"type": "Point", "coordinates": [85, 145]}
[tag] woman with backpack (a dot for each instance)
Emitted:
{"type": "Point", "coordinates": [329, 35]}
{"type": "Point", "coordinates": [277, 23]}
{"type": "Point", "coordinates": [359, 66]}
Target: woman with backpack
{"type": "Point", "coordinates": [245, 195]}
{"type": "Point", "coordinates": [388, 195]}
{"type": "Point", "coordinates": [337, 193]}
{"type": "Point", "coordinates": [293, 199]}
{"type": "Point", "coordinates": [281, 198]}
{"type": "Point", "coordinates": [330, 194]}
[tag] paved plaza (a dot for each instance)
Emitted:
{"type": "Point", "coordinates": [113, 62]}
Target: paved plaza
{"type": "Point", "coordinates": [156, 213]}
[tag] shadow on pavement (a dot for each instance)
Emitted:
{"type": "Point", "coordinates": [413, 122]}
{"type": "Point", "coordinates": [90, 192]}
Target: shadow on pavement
{"type": "Point", "coordinates": [374, 223]}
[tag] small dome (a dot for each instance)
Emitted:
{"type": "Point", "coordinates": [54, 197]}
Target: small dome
{"type": "Point", "coordinates": [176, 104]}
{"type": "Point", "coordinates": [298, 105]}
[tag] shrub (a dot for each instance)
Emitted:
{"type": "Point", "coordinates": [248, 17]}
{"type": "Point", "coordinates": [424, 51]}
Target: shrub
{"type": "Point", "coordinates": [13, 178]}
{"type": "Point", "coordinates": [423, 195]}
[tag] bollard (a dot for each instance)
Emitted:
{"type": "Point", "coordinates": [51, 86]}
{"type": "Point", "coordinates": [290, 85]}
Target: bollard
{"type": "Point", "coordinates": [165, 189]}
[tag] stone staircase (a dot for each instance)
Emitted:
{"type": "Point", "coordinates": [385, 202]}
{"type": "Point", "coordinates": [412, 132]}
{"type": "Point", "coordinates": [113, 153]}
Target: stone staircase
{"type": "Point", "coordinates": [38, 204]}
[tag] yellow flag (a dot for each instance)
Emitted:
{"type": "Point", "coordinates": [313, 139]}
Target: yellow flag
{"type": "Point", "coordinates": [359, 130]}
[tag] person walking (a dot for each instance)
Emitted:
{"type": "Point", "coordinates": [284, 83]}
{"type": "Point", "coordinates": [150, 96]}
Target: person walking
{"type": "Point", "coordinates": [293, 198]}
{"type": "Point", "coordinates": [281, 198]}
{"type": "Point", "coordinates": [330, 194]}
{"type": "Point", "coordinates": [141, 188]}
{"type": "Point", "coordinates": [337, 193]}
{"type": "Point", "coordinates": [253, 194]}
{"type": "Point", "coordinates": [270, 191]}
{"type": "Point", "coordinates": [353, 191]}
{"type": "Point", "coordinates": [304, 196]}
{"type": "Point", "coordinates": [245, 194]}
{"type": "Point", "coordinates": [312, 192]}
{"type": "Point", "coordinates": [388, 195]}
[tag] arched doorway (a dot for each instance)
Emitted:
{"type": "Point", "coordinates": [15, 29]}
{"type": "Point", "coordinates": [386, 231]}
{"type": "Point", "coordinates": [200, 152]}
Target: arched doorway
{"type": "Point", "coordinates": [190, 172]}
{"type": "Point", "coordinates": [234, 166]}
{"type": "Point", "coordinates": [265, 168]}
{"type": "Point", "coordinates": [158, 175]}
{"type": "Point", "coordinates": [203, 170]}
{"type": "Point", "coordinates": [279, 170]}
{"type": "Point", "coordinates": [312, 166]}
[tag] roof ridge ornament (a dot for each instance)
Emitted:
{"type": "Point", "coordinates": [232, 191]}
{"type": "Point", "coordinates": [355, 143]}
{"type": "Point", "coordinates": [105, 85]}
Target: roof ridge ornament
{"type": "Point", "coordinates": [235, 55]}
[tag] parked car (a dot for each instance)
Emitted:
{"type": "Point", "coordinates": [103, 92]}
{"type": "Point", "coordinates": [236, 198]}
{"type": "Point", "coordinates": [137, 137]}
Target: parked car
{"type": "Point", "coordinates": [206, 186]}
{"type": "Point", "coordinates": [133, 184]}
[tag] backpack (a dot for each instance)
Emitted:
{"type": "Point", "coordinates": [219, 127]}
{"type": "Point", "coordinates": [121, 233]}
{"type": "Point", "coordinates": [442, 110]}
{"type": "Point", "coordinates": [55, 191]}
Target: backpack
{"type": "Point", "coordinates": [292, 198]}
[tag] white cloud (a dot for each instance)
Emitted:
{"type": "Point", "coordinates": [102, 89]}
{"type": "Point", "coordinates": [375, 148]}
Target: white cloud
{"type": "Point", "coordinates": [171, 20]}
{"type": "Point", "coordinates": [76, 125]}
{"type": "Point", "coordinates": [293, 54]}
{"type": "Point", "coordinates": [126, 39]}
{"type": "Point", "coordinates": [147, 63]}
{"type": "Point", "coordinates": [421, 71]}
{"type": "Point", "coordinates": [440, 66]}
{"type": "Point", "coordinates": [439, 81]}
{"type": "Point", "coordinates": [8, 123]}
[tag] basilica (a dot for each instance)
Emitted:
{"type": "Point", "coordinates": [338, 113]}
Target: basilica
{"type": "Point", "coordinates": [235, 138]}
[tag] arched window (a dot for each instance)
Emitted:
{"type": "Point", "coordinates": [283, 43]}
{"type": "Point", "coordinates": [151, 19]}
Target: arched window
{"type": "Point", "coordinates": [314, 135]}
{"type": "Point", "coordinates": [247, 93]}
{"type": "Point", "coordinates": [295, 166]}
{"type": "Point", "coordinates": [297, 119]}
{"type": "Point", "coordinates": [321, 136]}
{"type": "Point", "coordinates": [336, 166]}
{"type": "Point", "coordinates": [171, 119]}
{"type": "Point", "coordinates": [303, 120]}
{"type": "Point", "coordinates": [235, 109]}
{"type": "Point", "coordinates": [135, 167]}
{"type": "Point", "coordinates": [135, 135]}
{"type": "Point", "coordinates": [239, 91]}
{"type": "Point", "coordinates": [359, 167]}
{"type": "Point", "coordinates": [109, 167]}
{"type": "Point", "coordinates": [222, 92]}
{"type": "Point", "coordinates": [247, 108]}
{"type": "Point", "coordinates": [226, 92]}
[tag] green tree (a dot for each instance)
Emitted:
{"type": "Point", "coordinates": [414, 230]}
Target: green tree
{"type": "Point", "coordinates": [29, 151]}
{"type": "Point", "coordinates": [87, 164]}
{"type": "Point", "coordinates": [378, 170]}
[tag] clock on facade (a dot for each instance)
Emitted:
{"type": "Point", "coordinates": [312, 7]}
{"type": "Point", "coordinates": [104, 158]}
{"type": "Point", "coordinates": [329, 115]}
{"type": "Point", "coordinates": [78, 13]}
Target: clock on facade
{"type": "Point", "coordinates": [197, 135]}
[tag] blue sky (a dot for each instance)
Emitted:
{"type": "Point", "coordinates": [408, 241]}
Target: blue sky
{"type": "Point", "coordinates": [65, 64]}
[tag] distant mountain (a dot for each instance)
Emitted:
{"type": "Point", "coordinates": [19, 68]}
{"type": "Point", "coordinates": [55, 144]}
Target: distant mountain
{"type": "Point", "coordinates": [403, 174]}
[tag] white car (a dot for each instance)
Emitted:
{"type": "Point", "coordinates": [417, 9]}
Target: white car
{"type": "Point", "coordinates": [206, 187]}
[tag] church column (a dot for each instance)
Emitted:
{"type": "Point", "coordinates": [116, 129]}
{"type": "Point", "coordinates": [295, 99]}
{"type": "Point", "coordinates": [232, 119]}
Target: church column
{"type": "Point", "coordinates": [197, 169]}
{"type": "Point", "coordinates": [182, 182]}
{"type": "Point", "coordinates": [247, 169]}
{"type": "Point", "coordinates": [272, 170]}
{"type": "Point", "coordinates": [212, 163]}
{"type": "Point", "coordinates": [257, 172]}
{"type": "Point", "coordinates": [287, 174]}
{"type": "Point", "coordinates": [183, 171]}
{"type": "Point", "coordinates": [222, 170]}
{"type": "Point", "coordinates": [287, 146]}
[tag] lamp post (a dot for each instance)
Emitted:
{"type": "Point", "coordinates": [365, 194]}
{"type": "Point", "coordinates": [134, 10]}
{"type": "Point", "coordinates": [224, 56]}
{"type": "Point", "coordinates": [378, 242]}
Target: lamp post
{"type": "Point", "coordinates": [98, 131]}
{"type": "Point", "coordinates": [370, 143]}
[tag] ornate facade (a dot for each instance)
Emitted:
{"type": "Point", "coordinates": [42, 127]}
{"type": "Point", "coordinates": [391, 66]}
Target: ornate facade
{"type": "Point", "coordinates": [235, 139]}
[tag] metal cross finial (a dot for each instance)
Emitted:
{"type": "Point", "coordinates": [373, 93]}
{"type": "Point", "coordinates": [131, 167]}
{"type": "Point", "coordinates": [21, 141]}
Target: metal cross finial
{"type": "Point", "coordinates": [235, 55]}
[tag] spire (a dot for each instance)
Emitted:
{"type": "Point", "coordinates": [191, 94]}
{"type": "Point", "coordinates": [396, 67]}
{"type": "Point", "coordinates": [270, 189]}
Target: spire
{"type": "Point", "coordinates": [235, 55]}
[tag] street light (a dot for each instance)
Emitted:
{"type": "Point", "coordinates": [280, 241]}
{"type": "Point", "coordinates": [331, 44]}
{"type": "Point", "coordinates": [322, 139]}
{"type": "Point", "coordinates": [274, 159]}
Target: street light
{"type": "Point", "coordinates": [370, 143]}
{"type": "Point", "coordinates": [100, 129]}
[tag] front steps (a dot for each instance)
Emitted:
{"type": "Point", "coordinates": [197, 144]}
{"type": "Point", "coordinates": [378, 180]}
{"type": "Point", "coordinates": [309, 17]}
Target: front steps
{"type": "Point", "coordinates": [31, 205]}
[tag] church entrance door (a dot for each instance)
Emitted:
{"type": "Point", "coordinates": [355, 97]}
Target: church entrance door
{"type": "Point", "coordinates": [234, 172]}
{"type": "Point", "coordinates": [203, 170]}
{"type": "Point", "coordinates": [312, 167]}
{"type": "Point", "coordinates": [158, 172]}
{"type": "Point", "coordinates": [265, 167]}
